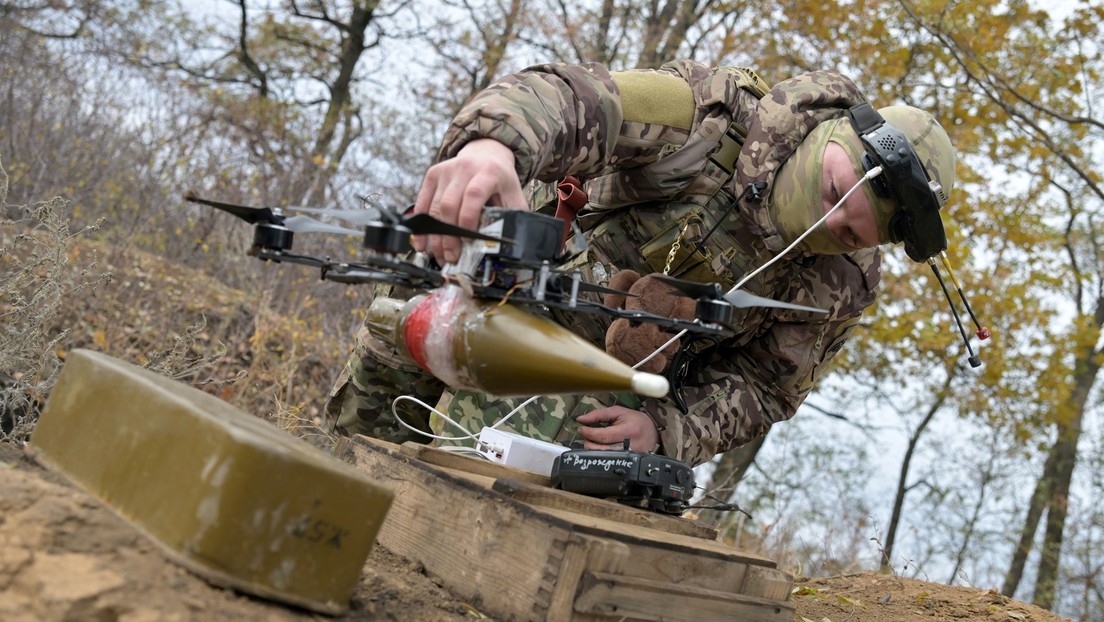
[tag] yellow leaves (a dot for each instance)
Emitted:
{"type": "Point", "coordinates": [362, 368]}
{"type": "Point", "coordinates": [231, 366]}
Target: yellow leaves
{"type": "Point", "coordinates": [473, 612]}
{"type": "Point", "coordinates": [850, 601]}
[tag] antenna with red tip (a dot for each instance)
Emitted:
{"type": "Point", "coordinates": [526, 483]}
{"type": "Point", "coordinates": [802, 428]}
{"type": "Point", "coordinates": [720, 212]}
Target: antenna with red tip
{"type": "Point", "coordinates": [982, 331]}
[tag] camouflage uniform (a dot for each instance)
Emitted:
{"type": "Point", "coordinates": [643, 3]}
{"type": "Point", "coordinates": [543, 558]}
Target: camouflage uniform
{"type": "Point", "coordinates": [653, 174]}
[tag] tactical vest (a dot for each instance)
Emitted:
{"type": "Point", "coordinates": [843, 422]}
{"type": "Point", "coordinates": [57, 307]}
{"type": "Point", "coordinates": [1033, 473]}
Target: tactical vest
{"type": "Point", "coordinates": [678, 215]}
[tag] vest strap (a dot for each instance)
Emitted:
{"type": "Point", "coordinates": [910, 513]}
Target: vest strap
{"type": "Point", "coordinates": [728, 148]}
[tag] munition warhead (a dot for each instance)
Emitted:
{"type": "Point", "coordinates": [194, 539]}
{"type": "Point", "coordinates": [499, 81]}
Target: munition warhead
{"type": "Point", "coordinates": [500, 349]}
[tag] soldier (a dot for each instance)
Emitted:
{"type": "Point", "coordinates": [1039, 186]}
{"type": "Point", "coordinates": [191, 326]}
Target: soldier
{"type": "Point", "coordinates": [697, 172]}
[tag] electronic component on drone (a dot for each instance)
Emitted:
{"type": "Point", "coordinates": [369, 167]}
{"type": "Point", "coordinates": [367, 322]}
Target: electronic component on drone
{"type": "Point", "coordinates": [631, 477]}
{"type": "Point", "coordinates": [532, 237]}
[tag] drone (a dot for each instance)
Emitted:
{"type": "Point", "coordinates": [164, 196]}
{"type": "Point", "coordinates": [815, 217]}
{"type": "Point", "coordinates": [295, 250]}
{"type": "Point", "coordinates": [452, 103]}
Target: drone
{"type": "Point", "coordinates": [521, 252]}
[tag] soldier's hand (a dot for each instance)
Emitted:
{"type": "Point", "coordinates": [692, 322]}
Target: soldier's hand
{"type": "Point", "coordinates": [456, 190]}
{"type": "Point", "coordinates": [621, 423]}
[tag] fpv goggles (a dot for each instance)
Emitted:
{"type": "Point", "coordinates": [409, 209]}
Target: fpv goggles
{"type": "Point", "coordinates": [903, 179]}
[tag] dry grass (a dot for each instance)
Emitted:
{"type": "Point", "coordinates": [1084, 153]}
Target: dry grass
{"type": "Point", "coordinates": [36, 283]}
{"type": "Point", "coordinates": [61, 290]}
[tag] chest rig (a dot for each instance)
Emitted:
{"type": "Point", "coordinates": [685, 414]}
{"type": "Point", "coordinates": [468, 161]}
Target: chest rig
{"type": "Point", "coordinates": [680, 214]}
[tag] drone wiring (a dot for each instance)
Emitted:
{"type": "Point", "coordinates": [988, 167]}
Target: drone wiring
{"type": "Point", "coordinates": [506, 297]}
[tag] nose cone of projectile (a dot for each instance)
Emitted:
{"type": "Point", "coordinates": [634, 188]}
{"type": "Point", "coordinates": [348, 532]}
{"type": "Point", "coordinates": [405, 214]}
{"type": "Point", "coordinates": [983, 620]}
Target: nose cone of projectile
{"type": "Point", "coordinates": [500, 349]}
{"type": "Point", "coordinates": [650, 385]}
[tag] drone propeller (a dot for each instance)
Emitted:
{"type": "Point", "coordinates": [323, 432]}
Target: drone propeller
{"type": "Point", "coordinates": [736, 298]}
{"type": "Point", "coordinates": [418, 224]}
{"type": "Point", "coordinates": [354, 216]}
{"type": "Point", "coordinates": [306, 224]}
{"type": "Point", "coordinates": [251, 215]}
{"type": "Point", "coordinates": [268, 216]}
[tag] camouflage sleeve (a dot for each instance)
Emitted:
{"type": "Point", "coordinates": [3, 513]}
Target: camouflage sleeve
{"type": "Point", "coordinates": [744, 390]}
{"type": "Point", "coordinates": [558, 119]}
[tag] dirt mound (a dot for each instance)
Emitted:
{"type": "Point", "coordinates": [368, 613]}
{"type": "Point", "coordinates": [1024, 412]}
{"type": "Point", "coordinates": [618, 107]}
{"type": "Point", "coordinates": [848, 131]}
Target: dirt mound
{"type": "Point", "coordinates": [64, 556]}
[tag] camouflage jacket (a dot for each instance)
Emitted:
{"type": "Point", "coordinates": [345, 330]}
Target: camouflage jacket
{"type": "Point", "coordinates": [642, 142]}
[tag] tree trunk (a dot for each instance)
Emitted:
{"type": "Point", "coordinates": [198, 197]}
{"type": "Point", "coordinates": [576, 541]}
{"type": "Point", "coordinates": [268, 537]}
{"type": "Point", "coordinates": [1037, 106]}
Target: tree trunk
{"type": "Point", "coordinates": [662, 38]}
{"type": "Point", "coordinates": [3, 188]}
{"type": "Point", "coordinates": [1063, 455]}
{"type": "Point", "coordinates": [324, 160]}
{"type": "Point", "coordinates": [902, 479]}
{"type": "Point", "coordinates": [1039, 500]}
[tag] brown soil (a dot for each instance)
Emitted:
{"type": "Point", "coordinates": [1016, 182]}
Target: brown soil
{"type": "Point", "coordinates": [64, 556]}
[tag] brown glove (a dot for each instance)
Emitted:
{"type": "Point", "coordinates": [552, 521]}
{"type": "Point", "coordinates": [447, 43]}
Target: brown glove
{"type": "Point", "coordinates": [632, 343]}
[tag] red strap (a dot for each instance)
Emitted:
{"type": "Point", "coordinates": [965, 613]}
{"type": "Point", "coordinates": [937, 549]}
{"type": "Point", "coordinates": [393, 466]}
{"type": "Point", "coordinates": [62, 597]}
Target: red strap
{"type": "Point", "coordinates": [571, 198]}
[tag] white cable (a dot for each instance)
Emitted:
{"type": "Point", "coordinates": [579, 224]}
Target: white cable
{"type": "Point", "coordinates": [411, 398]}
{"type": "Point", "coordinates": [515, 411]}
{"type": "Point", "coordinates": [462, 449]}
{"type": "Point", "coordinates": [467, 435]}
{"type": "Point", "coordinates": [872, 173]}
{"type": "Point", "coordinates": [660, 348]}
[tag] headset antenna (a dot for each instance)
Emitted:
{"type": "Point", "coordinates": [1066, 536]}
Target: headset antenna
{"type": "Point", "coordinates": [982, 331]}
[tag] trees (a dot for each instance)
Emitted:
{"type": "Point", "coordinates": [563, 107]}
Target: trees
{"type": "Point", "coordinates": [283, 81]}
{"type": "Point", "coordinates": [1052, 135]}
{"type": "Point", "coordinates": [1013, 88]}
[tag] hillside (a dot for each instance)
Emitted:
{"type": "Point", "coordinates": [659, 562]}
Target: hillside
{"type": "Point", "coordinates": [63, 556]}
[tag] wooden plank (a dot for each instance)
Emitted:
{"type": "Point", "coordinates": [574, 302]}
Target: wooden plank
{"type": "Point", "coordinates": [688, 561]}
{"type": "Point", "coordinates": [518, 561]}
{"type": "Point", "coordinates": [644, 535]}
{"type": "Point", "coordinates": [543, 496]}
{"type": "Point", "coordinates": [769, 583]}
{"type": "Point", "coordinates": [503, 556]}
{"type": "Point", "coordinates": [581, 554]}
{"type": "Point", "coordinates": [633, 598]}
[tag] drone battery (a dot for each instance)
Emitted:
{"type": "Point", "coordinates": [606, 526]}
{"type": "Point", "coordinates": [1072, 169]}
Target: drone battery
{"type": "Point", "coordinates": [224, 494]}
{"type": "Point", "coordinates": [533, 237]}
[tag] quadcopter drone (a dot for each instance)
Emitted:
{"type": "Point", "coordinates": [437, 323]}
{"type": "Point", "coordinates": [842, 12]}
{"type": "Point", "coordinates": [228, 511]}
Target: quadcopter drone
{"type": "Point", "coordinates": [520, 252]}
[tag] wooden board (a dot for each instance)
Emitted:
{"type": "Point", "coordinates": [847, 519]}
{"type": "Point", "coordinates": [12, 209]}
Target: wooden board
{"type": "Point", "coordinates": [559, 558]}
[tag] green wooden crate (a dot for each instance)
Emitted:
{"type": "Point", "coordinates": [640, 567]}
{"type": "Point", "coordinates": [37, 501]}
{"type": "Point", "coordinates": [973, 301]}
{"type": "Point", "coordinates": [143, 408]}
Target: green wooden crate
{"type": "Point", "coordinates": [226, 494]}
